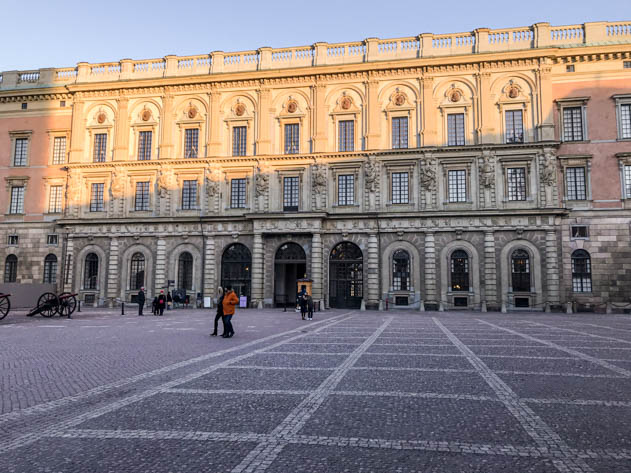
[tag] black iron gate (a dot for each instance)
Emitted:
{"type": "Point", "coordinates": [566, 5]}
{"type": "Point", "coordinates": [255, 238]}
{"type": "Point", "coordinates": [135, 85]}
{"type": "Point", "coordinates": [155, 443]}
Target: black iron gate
{"type": "Point", "coordinates": [346, 277]}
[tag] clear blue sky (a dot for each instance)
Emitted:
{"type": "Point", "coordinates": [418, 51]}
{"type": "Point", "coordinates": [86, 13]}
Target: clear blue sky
{"type": "Point", "coordinates": [58, 33]}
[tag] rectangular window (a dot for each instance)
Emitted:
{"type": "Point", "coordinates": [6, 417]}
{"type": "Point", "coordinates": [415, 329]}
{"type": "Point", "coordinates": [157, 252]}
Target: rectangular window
{"type": "Point", "coordinates": [96, 197]}
{"type": "Point", "coordinates": [627, 182]}
{"type": "Point", "coordinates": [400, 188]}
{"type": "Point", "coordinates": [516, 178]}
{"type": "Point", "coordinates": [13, 240]}
{"type": "Point", "coordinates": [457, 185]}
{"type": "Point", "coordinates": [100, 147]}
{"type": "Point", "coordinates": [20, 151]}
{"type": "Point", "coordinates": [573, 124]}
{"type": "Point", "coordinates": [191, 142]}
{"type": "Point", "coordinates": [237, 193]}
{"type": "Point", "coordinates": [626, 64]}
{"type": "Point", "coordinates": [346, 135]}
{"type": "Point", "coordinates": [290, 193]}
{"type": "Point", "coordinates": [59, 150]}
{"type": "Point", "coordinates": [455, 129]}
{"type": "Point", "coordinates": [52, 239]}
{"type": "Point", "coordinates": [17, 200]}
{"type": "Point", "coordinates": [575, 182]}
{"type": "Point", "coordinates": [189, 195]}
{"type": "Point", "coordinates": [399, 132]}
{"type": "Point", "coordinates": [239, 140]}
{"type": "Point", "coordinates": [142, 196]}
{"type": "Point", "coordinates": [292, 138]}
{"type": "Point", "coordinates": [144, 145]}
{"type": "Point", "coordinates": [54, 199]}
{"type": "Point", "coordinates": [346, 189]}
{"type": "Point", "coordinates": [579, 231]}
{"type": "Point", "coordinates": [514, 126]}
{"type": "Point", "coordinates": [625, 121]}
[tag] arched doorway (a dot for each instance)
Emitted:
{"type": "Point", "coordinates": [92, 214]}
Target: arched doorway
{"type": "Point", "coordinates": [236, 264]}
{"type": "Point", "coordinates": [346, 276]}
{"type": "Point", "coordinates": [290, 264]}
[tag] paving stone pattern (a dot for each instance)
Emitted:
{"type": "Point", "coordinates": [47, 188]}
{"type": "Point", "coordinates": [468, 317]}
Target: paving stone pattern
{"type": "Point", "coordinates": [350, 392]}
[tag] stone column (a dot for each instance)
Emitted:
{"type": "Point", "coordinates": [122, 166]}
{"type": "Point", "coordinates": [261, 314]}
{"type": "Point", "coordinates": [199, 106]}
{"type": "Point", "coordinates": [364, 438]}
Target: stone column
{"type": "Point", "coordinates": [490, 270]}
{"type": "Point", "coordinates": [484, 128]}
{"type": "Point", "coordinates": [546, 103]}
{"type": "Point", "coordinates": [77, 135]}
{"type": "Point", "coordinates": [552, 267]}
{"type": "Point", "coordinates": [69, 269]}
{"type": "Point", "coordinates": [161, 265]}
{"type": "Point", "coordinates": [316, 269]}
{"type": "Point", "coordinates": [258, 271]}
{"type": "Point", "coordinates": [429, 122]}
{"type": "Point", "coordinates": [214, 145]}
{"type": "Point", "coordinates": [210, 279]}
{"type": "Point", "coordinates": [430, 268]}
{"type": "Point", "coordinates": [113, 273]}
{"type": "Point", "coordinates": [264, 143]}
{"type": "Point", "coordinates": [373, 272]}
{"type": "Point", "coordinates": [319, 119]}
{"type": "Point", "coordinates": [121, 135]}
{"type": "Point", "coordinates": [373, 135]}
{"type": "Point", "coordinates": [166, 143]}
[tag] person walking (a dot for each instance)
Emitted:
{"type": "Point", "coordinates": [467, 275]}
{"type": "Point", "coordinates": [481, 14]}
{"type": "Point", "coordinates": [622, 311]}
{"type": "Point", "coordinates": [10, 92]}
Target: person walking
{"type": "Point", "coordinates": [230, 300]}
{"type": "Point", "coordinates": [162, 302]}
{"type": "Point", "coordinates": [154, 306]}
{"type": "Point", "coordinates": [302, 301]}
{"type": "Point", "coordinates": [219, 314]}
{"type": "Point", "coordinates": [141, 300]}
{"type": "Point", "coordinates": [309, 307]}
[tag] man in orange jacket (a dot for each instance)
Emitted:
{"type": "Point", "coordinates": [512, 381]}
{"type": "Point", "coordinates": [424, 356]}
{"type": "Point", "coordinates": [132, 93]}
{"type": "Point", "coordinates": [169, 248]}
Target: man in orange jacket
{"type": "Point", "coordinates": [230, 300]}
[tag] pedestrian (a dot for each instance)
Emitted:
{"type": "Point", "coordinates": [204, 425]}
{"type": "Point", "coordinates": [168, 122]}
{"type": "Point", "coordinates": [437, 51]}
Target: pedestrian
{"type": "Point", "coordinates": [169, 300]}
{"type": "Point", "coordinates": [162, 302]}
{"type": "Point", "coordinates": [154, 305]}
{"type": "Point", "coordinates": [230, 300]}
{"type": "Point", "coordinates": [219, 314]}
{"type": "Point", "coordinates": [309, 307]}
{"type": "Point", "coordinates": [302, 301]}
{"type": "Point", "coordinates": [141, 300]}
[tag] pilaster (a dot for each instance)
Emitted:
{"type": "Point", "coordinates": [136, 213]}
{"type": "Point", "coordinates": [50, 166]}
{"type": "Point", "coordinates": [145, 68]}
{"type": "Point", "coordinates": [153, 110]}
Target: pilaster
{"type": "Point", "coordinates": [161, 264]}
{"type": "Point", "coordinates": [264, 143]}
{"type": "Point", "coordinates": [316, 269]}
{"type": "Point", "coordinates": [121, 134]}
{"type": "Point", "coordinates": [210, 289]}
{"type": "Point", "coordinates": [429, 113]}
{"type": "Point", "coordinates": [69, 269]}
{"type": "Point", "coordinates": [373, 136]}
{"type": "Point", "coordinates": [214, 143]}
{"type": "Point", "coordinates": [490, 270]}
{"type": "Point", "coordinates": [77, 134]}
{"type": "Point", "coordinates": [166, 143]}
{"type": "Point", "coordinates": [546, 119]}
{"type": "Point", "coordinates": [552, 267]}
{"type": "Point", "coordinates": [430, 268]}
{"type": "Point", "coordinates": [373, 271]}
{"type": "Point", "coordinates": [258, 270]}
{"type": "Point", "coordinates": [113, 273]}
{"type": "Point", "coordinates": [319, 112]}
{"type": "Point", "coordinates": [485, 129]}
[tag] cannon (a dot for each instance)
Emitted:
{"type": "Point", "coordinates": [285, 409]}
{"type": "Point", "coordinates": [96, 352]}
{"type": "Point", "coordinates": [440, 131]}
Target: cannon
{"type": "Point", "coordinates": [50, 304]}
{"type": "Point", "coordinates": [5, 305]}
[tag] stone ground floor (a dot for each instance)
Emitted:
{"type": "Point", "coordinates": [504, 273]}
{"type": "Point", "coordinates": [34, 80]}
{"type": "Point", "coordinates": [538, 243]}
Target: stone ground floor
{"type": "Point", "coordinates": [351, 391]}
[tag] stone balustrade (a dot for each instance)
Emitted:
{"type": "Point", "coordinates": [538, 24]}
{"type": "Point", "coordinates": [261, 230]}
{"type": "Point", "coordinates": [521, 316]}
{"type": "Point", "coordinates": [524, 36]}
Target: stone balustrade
{"type": "Point", "coordinates": [481, 40]}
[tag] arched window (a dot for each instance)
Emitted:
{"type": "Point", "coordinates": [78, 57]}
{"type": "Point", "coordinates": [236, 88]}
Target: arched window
{"type": "Point", "coordinates": [50, 269]}
{"type": "Point", "coordinates": [290, 252]}
{"type": "Point", "coordinates": [401, 270]}
{"type": "Point", "coordinates": [459, 271]}
{"type": "Point", "coordinates": [346, 276]}
{"type": "Point", "coordinates": [137, 271]}
{"type": "Point", "coordinates": [581, 271]}
{"type": "Point", "coordinates": [236, 262]}
{"type": "Point", "coordinates": [91, 271]}
{"type": "Point", "coordinates": [11, 269]}
{"type": "Point", "coordinates": [520, 268]}
{"type": "Point", "coordinates": [185, 271]}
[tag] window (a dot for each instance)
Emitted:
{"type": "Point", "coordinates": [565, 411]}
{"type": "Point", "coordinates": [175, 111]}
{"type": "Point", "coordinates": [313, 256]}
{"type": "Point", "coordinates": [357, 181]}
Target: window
{"type": "Point", "coordinates": [514, 126]}
{"type": "Point", "coordinates": [52, 239]}
{"type": "Point", "coordinates": [142, 196]}
{"type": "Point", "coordinates": [13, 240]}
{"type": "Point", "coordinates": [581, 271]}
{"type": "Point", "coordinates": [626, 64]}
{"type": "Point", "coordinates": [191, 142]}
{"type": "Point", "coordinates": [137, 271]}
{"type": "Point", "coordinates": [401, 271]}
{"type": "Point", "coordinates": [457, 185]}
{"type": "Point", "coordinates": [399, 132]}
{"type": "Point", "coordinates": [54, 199]}
{"type": "Point", "coordinates": [239, 140]}
{"type": "Point", "coordinates": [516, 180]}
{"type": "Point", "coordinates": [144, 145]}
{"type": "Point", "coordinates": [459, 271]}
{"type": "Point", "coordinates": [17, 200]}
{"type": "Point", "coordinates": [625, 121]}
{"type": "Point", "coordinates": [189, 195]}
{"type": "Point", "coordinates": [569, 68]}
{"type": "Point", "coordinates": [185, 271]}
{"type": "Point", "coordinates": [520, 268]}
{"type": "Point", "coordinates": [24, 106]}
{"type": "Point", "coordinates": [579, 232]}
{"type": "Point", "coordinates": [400, 188]}
{"type": "Point", "coordinates": [237, 193]}
{"type": "Point", "coordinates": [573, 124]}
{"type": "Point", "coordinates": [96, 197]}
{"type": "Point", "coordinates": [627, 181]}
{"type": "Point", "coordinates": [20, 151]}
{"type": "Point", "coordinates": [59, 150]}
{"type": "Point", "coordinates": [292, 138]}
{"type": "Point", "coordinates": [290, 193]}
{"type": "Point", "coordinates": [62, 103]}
{"type": "Point", "coordinates": [100, 147]}
{"type": "Point", "coordinates": [575, 182]}
{"type": "Point", "coordinates": [91, 271]}
{"type": "Point", "coordinates": [346, 135]}
{"type": "Point", "coordinates": [346, 189]}
{"type": "Point", "coordinates": [11, 269]}
{"type": "Point", "coordinates": [50, 269]}
{"type": "Point", "coordinates": [455, 129]}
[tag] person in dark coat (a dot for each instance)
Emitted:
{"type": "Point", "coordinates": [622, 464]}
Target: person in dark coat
{"type": "Point", "coordinates": [219, 314]}
{"type": "Point", "coordinates": [309, 307]}
{"type": "Point", "coordinates": [162, 302]}
{"type": "Point", "coordinates": [169, 300]}
{"type": "Point", "coordinates": [302, 301]}
{"type": "Point", "coordinates": [141, 300]}
{"type": "Point", "coordinates": [154, 305]}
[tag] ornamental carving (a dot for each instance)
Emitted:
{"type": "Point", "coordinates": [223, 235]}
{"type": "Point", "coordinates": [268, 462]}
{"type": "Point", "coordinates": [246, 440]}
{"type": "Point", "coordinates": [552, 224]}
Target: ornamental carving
{"type": "Point", "coordinates": [146, 115]}
{"type": "Point", "coordinates": [487, 169]}
{"type": "Point", "coordinates": [455, 95]}
{"type": "Point", "coordinates": [428, 174]}
{"type": "Point", "coordinates": [513, 92]}
{"type": "Point", "coordinates": [117, 186]}
{"type": "Point", "coordinates": [346, 102]}
{"type": "Point", "coordinates": [371, 174]}
{"type": "Point", "coordinates": [239, 110]}
{"type": "Point", "coordinates": [213, 179]}
{"type": "Point", "coordinates": [319, 178]}
{"type": "Point", "coordinates": [549, 170]}
{"type": "Point", "coordinates": [192, 112]}
{"type": "Point", "coordinates": [262, 182]}
{"type": "Point", "coordinates": [292, 106]}
{"type": "Point", "coordinates": [74, 187]}
{"type": "Point", "coordinates": [164, 181]}
{"type": "Point", "coordinates": [101, 117]}
{"type": "Point", "coordinates": [399, 99]}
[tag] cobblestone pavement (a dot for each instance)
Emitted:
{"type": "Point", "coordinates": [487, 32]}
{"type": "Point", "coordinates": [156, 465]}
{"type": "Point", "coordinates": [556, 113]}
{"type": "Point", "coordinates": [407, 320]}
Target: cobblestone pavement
{"type": "Point", "coordinates": [349, 392]}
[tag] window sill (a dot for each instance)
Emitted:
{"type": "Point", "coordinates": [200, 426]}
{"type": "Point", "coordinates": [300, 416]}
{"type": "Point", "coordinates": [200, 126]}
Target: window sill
{"type": "Point", "coordinates": [15, 215]}
{"type": "Point", "coordinates": [148, 211]}
{"type": "Point", "coordinates": [577, 142]}
{"type": "Point", "coordinates": [346, 206]}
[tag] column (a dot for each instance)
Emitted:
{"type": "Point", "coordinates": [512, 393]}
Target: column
{"type": "Point", "coordinates": [258, 271]}
{"type": "Point", "coordinates": [373, 272]}
{"type": "Point", "coordinates": [166, 142]}
{"type": "Point", "coordinates": [430, 268]}
{"type": "Point", "coordinates": [552, 267]}
{"type": "Point", "coordinates": [113, 273]}
{"type": "Point", "coordinates": [316, 269]}
{"type": "Point", "coordinates": [487, 133]}
{"type": "Point", "coordinates": [546, 103]}
{"type": "Point", "coordinates": [264, 144]}
{"type": "Point", "coordinates": [161, 265]}
{"type": "Point", "coordinates": [210, 279]}
{"type": "Point", "coordinates": [373, 136]}
{"type": "Point", "coordinates": [121, 134]}
{"type": "Point", "coordinates": [319, 119]}
{"type": "Point", "coordinates": [77, 134]}
{"type": "Point", "coordinates": [214, 144]}
{"type": "Point", "coordinates": [429, 113]}
{"type": "Point", "coordinates": [490, 270]}
{"type": "Point", "coordinates": [69, 269]}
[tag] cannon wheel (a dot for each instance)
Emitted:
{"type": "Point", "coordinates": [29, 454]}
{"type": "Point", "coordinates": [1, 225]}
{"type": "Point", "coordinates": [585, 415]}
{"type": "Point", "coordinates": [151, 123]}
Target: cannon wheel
{"type": "Point", "coordinates": [67, 305]}
{"type": "Point", "coordinates": [52, 304]}
{"type": "Point", "coordinates": [5, 306]}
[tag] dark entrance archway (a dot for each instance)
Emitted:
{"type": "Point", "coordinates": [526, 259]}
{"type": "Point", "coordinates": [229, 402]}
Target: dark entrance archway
{"type": "Point", "coordinates": [236, 264]}
{"type": "Point", "coordinates": [290, 264]}
{"type": "Point", "coordinates": [346, 276]}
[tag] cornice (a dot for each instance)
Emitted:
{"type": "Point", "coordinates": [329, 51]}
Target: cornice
{"type": "Point", "coordinates": [24, 96]}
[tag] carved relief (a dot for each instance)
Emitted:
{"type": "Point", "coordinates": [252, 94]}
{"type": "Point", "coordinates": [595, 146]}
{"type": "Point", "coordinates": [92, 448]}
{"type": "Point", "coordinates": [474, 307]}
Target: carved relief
{"type": "Point", "coordinates": [454, 94]}
{"type": "Point", "coordinates": [346, 102]}
{"type": "Point", "coordinates": [101, 117]}
{"type": "Point", "coordinates": [117, 186]}
{"type": "Point", "coordinates": [399, 99]}
{"type": "Point", "coordinates": [428, 174]}
{"type": "Point", "coordinates": [292, 106]}
{"type": "Point", "coordinates": [371, 174]}
{"type": "Point", "coordinates": [549, 170]}
{"type": "Point", "coordinates": [192, 112]}
{"type": "Point", "coordinates": [239, 109]}
{"type": "Point", "coordinates": [487, 169]}
{"type": "Point", "coordinates": [164, 183]}
{"type": "Point", "coordinates": [262, 182]}
{"type": "Point", "coordinates": [212, 180]}
{"type": "Point", "coordinates": [146, 115]}
{"type": "Point", "coordinates": [319, 178]}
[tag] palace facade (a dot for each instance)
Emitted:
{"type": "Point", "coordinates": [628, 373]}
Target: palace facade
{"type": "Point", "coordinates": [486, 170]}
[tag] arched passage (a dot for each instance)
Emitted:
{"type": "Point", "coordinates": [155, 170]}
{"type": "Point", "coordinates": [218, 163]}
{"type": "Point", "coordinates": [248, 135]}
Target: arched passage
{"type": "Point", "coordinates": [236, 264]}
{"type": "Point", "coordinates": [346, 276]}
{"type": "Point", "coordinates": [290, 264]}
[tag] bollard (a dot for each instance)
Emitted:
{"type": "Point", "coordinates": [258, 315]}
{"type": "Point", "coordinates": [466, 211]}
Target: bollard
{"type": "Point", "coordinates": [547, 309]}
{"type": "Point", "coordinates": [421, 306]}
{"type": "Point", "coordinates": [483, 306]}
{"type": "Point", "coordinates": [79, 305]}
{"type": "Point", "coordinates": [568, 308]}
{"type": "Point", "coordinates": [122, 308]}
{"type": "Point", "coordinates": [608, 309]}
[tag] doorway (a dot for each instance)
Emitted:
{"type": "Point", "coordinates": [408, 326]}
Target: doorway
{"type": "Point", "coordinates": [290, 264]}
{"type": "Point", "coordinates": [346, 276]}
